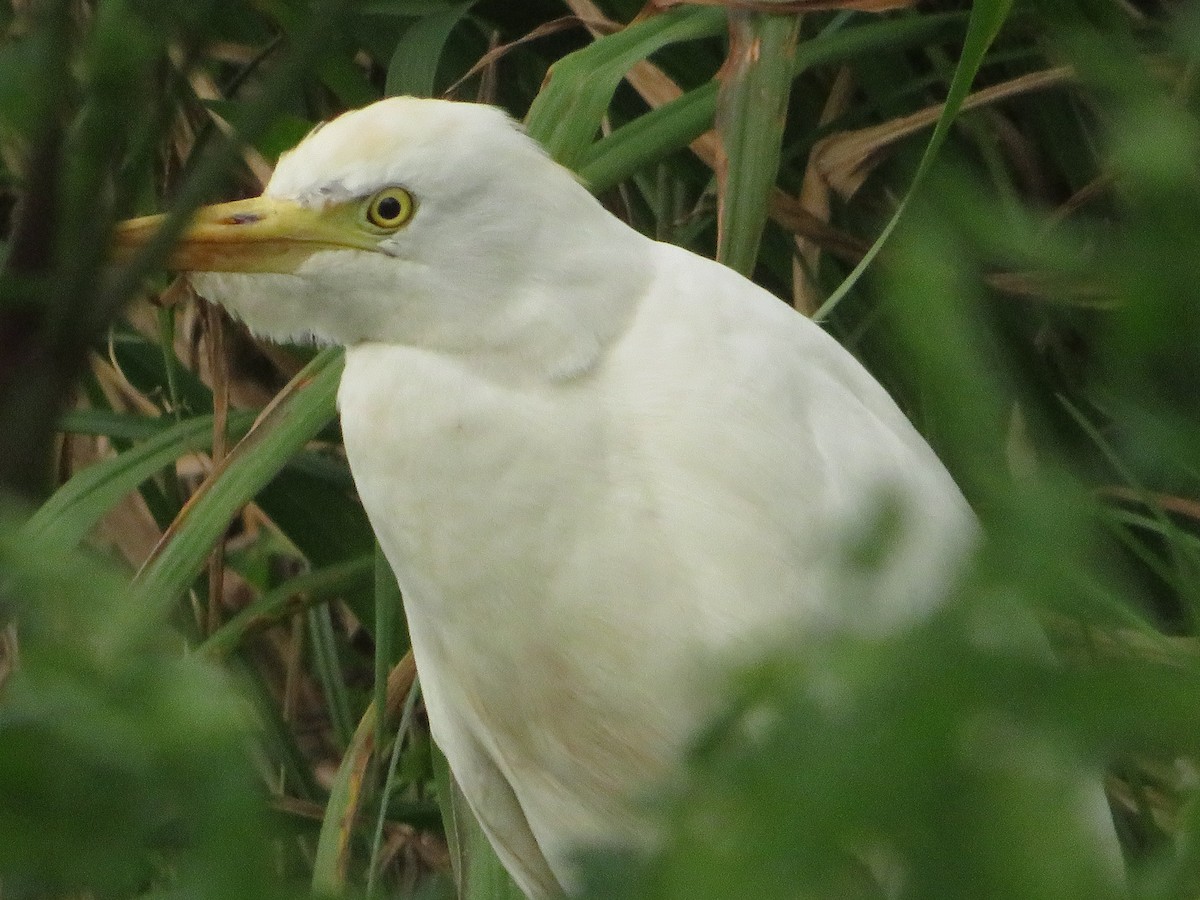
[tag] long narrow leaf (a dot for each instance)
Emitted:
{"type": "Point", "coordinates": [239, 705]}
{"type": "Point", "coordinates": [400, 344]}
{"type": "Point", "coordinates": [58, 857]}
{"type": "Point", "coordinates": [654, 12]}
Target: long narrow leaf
{"type": "Point", "coordinates": [389, 622]}
{"type": "Point", "coordinates": [303, 590]}
{"type": "Point", "coordinates": [329, 671]}
{"type": "Point", "coordinates": [304, 407]}
{"type": "Point", "coordinates": [650, 137]}
{"type": "Point", "coordinates": [108, 423]}
{"type": "Point", "coordinates": [80, 503]}
{"type": "Point", "coordinates": [414, 64]}
{"type": "Point", "coordinates": [751, 109]}
{"type": "Point", "coordinates": [389, 777]}
{"type": "Point", "coordinates": [566, 114]}
{"type": "Point", "coordinates": [987, 18]}
{"type": "Point", "coordinates": [346, 795]}
{"type": "Point", "coordinates": [478, 872]}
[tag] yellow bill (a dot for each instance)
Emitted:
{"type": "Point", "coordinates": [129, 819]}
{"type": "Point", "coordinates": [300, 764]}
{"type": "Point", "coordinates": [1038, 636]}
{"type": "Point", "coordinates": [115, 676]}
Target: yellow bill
{"type": "Point", "coordinates": [262, 234]}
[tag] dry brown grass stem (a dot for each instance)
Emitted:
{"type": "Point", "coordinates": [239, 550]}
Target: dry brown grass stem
{"type": "Point", "coordinates": [206, 89]}
{"type": "Point", "coordinates": [792, 7]}
{"type": "Point", "coordinates": [846, 159]}
{"type": "Point", "coordinates": [218, 365]}
{"type": "Point", "coordinates": [815, 198]}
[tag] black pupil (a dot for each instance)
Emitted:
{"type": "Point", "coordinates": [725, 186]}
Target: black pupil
{"type": "Point", "coordinates": [388, 209]}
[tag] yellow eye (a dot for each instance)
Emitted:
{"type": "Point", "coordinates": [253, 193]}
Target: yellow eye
{"type": "Point", "coordinates": [390, 208]}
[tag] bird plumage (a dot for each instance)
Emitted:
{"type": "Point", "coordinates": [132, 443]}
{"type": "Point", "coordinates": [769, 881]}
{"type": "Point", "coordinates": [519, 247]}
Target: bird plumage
{"type": "Point", "coordinates": [580, 558]}
{"type": "Point", "coordinates": [603, 469]}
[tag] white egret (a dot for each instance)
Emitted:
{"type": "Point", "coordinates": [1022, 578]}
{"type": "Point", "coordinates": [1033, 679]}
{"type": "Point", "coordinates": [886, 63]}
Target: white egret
{"type": "Point", "coordinates": [603, 468]}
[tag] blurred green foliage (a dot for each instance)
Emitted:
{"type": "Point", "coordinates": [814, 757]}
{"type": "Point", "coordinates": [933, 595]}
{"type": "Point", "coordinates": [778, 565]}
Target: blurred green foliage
{"type": "Point", "coordinates": [125, 769]}
{"type": "Point", "coordinates": [1035, 311]}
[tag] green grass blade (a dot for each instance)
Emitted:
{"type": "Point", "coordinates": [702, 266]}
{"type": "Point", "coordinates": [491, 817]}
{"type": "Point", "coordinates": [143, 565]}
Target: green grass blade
{"type": "Point", "coordinates": [987, 18]}
{"type": "Point", "coordinates": [566, 114]}
{"type": "Point", "coordinates": [317, 511]}
{"type": "Point", "coordinates": [304, 590]}
{"type": "Point", "coordinates": [478, 872]}
{"type": "Point", "coordinates": [650, 137]}
{"type": "Point", "coordinates": [414, 66]}
{"type": "Point", "coordinates": [80, 503]}
{"type": "Point", "coordinates": [751, 112]}
{"type": "Point", "coordinates": [346, 795]}
{"type": "Point", "coordinates": [389, 778]}
{"type": "Point", "coordinates": [146, 367]}
{"type": "Point", "coordinates": [330, 673]}
{"type": "Point", "coordinates": [306, 405]}
{"type": "Point", "coordinates": [389, 626]}
{"type": "Point", "coordinates": [125, 427]}
{"type": "Point", "coordinates": [835, 45]}
{"type": "Point", "coordinates": [286, 768]}
{"type": "Point", "coordinates": [455, 830]}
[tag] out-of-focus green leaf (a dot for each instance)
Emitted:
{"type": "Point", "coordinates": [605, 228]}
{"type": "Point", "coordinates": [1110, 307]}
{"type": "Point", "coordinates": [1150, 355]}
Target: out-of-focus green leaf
{"type": "Point", "coordinates": [987, 17]}
{"type": "Point", "coordinates": [414, 65]}
{"type": "Point", "coordinates": [284, 132]}
{"type": "Point", "coordinates": [115, 745]}
{"type": "Point", "coordinates": [412, 8]}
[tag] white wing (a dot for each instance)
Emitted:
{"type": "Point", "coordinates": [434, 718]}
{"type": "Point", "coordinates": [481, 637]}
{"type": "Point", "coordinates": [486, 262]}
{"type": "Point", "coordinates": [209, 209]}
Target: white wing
{"type": "Point", "coordinates": [580, 559]}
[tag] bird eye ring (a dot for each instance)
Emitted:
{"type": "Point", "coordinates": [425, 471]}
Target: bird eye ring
{"type": "Point", "coordinates": [390, 208]}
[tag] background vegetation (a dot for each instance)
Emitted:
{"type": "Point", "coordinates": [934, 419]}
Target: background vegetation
{"type": "Point", "coordinates": [996, 206]}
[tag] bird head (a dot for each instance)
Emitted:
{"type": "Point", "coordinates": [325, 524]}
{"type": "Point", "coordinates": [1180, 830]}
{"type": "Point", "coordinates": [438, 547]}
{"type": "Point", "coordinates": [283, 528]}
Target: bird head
{"type": "Point", "coordinates": [426, 222]}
